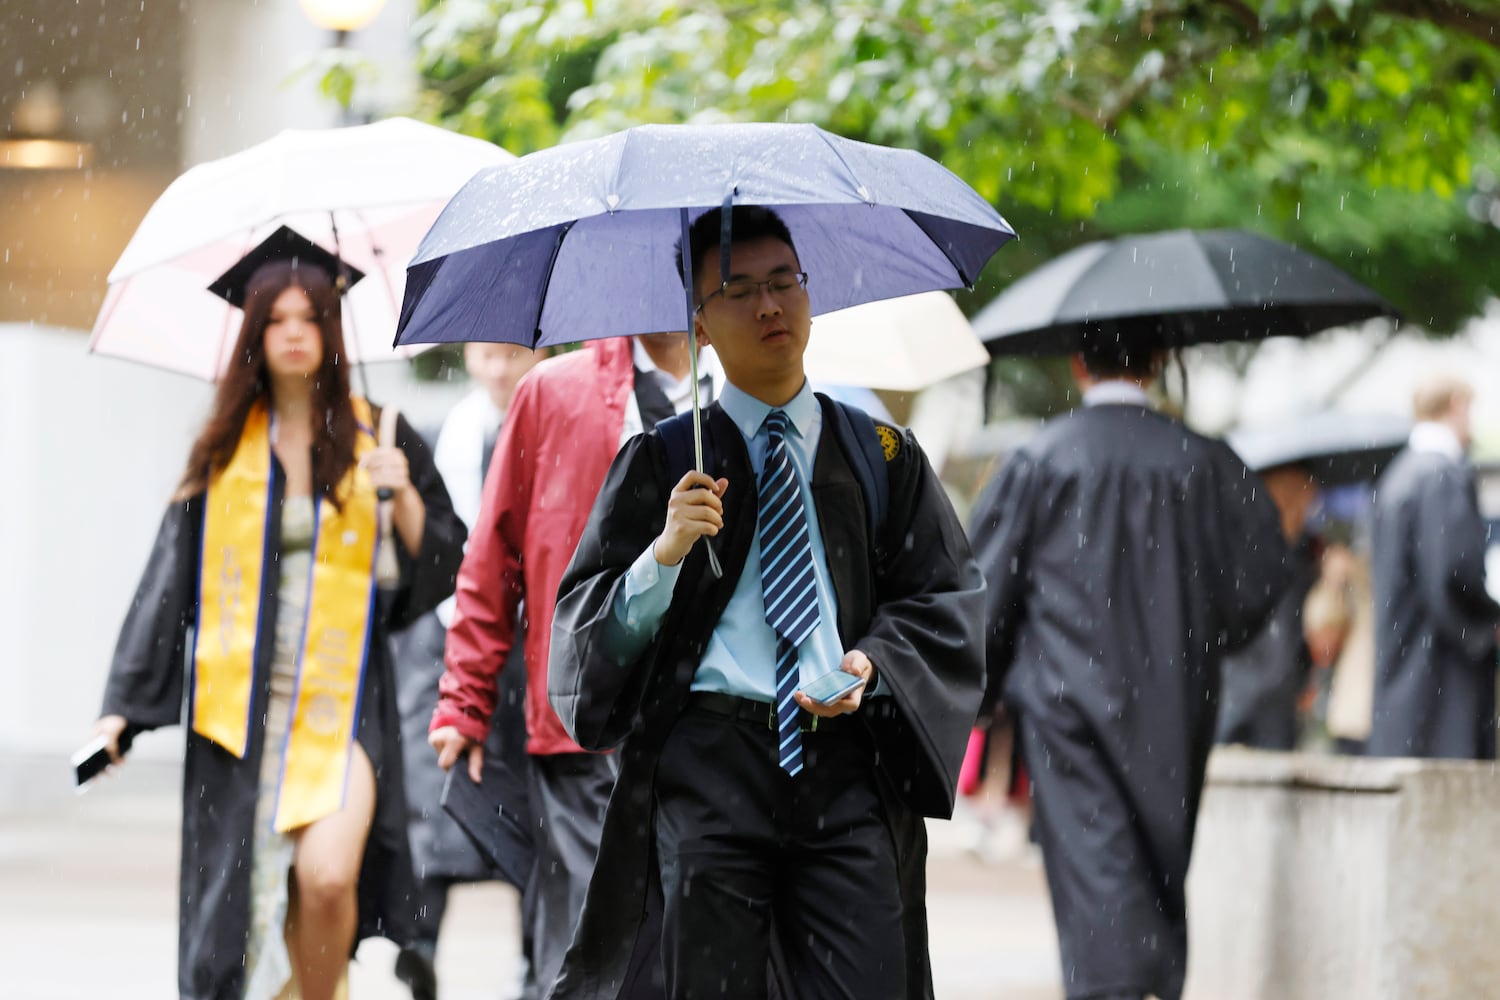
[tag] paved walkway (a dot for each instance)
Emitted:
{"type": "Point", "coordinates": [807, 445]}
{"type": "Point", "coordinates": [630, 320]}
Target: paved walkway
{"type": "Point", "coordinates": [88, 904]}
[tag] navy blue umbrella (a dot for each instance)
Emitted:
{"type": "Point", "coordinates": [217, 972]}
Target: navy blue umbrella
{"type": "Point", "coordinates": [579, 241]}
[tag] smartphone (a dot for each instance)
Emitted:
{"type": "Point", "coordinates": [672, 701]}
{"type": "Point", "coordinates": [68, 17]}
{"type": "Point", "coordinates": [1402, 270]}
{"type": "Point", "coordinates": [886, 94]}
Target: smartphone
{"type": "Point", "coordinates": [832, 686]}
{"type": "Point", "coordinates": [93, 757]}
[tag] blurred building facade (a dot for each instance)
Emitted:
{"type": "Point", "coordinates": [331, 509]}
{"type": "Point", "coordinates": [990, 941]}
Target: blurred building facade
{"type": "Point", "coordinates": [113, 100]}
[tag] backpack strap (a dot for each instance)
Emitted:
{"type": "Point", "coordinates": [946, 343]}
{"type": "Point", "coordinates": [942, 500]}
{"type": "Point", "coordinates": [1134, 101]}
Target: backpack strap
{"type": "Point", "coordinates": [677, 436]}
{"type": "Point", "coordinates": [870, 447]}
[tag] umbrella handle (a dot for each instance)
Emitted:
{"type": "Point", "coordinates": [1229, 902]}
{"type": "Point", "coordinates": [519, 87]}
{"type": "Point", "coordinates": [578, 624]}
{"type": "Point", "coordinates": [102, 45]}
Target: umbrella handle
{"type": "Point", "coordinates": [687, 290]}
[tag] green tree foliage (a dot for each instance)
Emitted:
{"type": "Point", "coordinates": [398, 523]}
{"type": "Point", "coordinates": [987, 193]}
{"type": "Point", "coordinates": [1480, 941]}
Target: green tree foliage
{"type": "Point", "coordinates": [1358, 128]}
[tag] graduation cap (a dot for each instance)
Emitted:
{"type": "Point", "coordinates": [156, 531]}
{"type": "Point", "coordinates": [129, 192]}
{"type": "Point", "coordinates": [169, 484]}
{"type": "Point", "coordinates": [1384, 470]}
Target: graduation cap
{"type": "Point", "coordinates": [285, 244]}
{"type": "Point", "coordinates": [487, 813]}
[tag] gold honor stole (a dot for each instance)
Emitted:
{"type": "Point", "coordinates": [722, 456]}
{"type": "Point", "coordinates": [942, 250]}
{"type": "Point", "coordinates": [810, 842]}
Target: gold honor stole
{"type": "Point", "coordinates": [335, 635]}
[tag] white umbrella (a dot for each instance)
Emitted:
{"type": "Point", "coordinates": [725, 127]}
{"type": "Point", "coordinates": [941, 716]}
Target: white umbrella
{"type": "Point", "coordinates": [901, 344]}
{"type": "Point", "coordinates": [369, 192]}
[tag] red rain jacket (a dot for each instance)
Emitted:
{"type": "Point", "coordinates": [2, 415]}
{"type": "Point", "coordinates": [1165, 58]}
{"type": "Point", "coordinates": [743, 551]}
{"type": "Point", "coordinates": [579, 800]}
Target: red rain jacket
{"type": "Point", "coordinates": [559, 438]}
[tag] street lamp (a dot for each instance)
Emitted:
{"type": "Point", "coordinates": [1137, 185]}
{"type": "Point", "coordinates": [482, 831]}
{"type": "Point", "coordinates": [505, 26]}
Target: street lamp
{"type": "Point", "coordinates": [341, 16]}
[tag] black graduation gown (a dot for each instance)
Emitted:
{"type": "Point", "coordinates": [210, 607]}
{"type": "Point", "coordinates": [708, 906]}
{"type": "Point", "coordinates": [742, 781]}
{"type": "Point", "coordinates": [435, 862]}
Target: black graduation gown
{"type": "Point", "coordinates": [146, 686]}
{"type": "Point", "coordinates": [1125, 556]}
{"type": "Point", "coordinates": [1435, 634]}
{"type": "Point", "coordinates": [1263, 681]}
{"type": "Point", "coordinates": [914, 609]}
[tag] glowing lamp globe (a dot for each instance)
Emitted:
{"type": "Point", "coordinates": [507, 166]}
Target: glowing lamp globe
{"type": "Point", "coordinates": [341, 15]}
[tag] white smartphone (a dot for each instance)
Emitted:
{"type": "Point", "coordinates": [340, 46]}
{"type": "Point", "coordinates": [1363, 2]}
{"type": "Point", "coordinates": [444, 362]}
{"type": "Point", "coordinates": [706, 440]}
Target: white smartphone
{"type": "Point", "coordinates": [832, 686]}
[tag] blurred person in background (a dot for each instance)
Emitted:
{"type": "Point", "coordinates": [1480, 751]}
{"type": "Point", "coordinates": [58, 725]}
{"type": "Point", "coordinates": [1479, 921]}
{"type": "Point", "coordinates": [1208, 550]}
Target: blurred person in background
{"type": "Point", "coordinates": [1435, 622]}
{"type": "Point", "coordinates": [1339, 621]}
{"type": "Point", "coordinates": [1125, 555]}
{"type": "Point", "coordinates": [442, 852]}
{"type": "Point", "coordinates": [292, 850]}
{"type": "Point", "coordinates": [1264, 682]}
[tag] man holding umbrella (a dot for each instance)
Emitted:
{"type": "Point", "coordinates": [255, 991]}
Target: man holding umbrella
{"type": "Point", "coordinates": [1125, 555]}
{"type": "Point", "coordinates": [705, 679]}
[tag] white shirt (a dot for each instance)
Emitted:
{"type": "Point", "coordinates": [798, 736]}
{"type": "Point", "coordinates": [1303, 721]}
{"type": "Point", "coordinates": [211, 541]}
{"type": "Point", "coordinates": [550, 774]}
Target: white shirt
{"type": "Point", "coordinates": [1116, 391]}
{"type": "Point", "coordinates": [459, 457]}
{"type": "Point", "coordinates": [1435, 438]}
{"type": "Point", "coordinates": [679, 392]}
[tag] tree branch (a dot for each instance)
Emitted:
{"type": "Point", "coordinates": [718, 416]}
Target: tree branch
{"type": "Point", "coordinates": [1450, 16]}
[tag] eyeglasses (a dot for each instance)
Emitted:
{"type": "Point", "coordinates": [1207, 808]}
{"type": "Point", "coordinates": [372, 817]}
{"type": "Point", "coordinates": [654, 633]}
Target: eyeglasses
{"type": "Point", "coordinates": [743, 291]}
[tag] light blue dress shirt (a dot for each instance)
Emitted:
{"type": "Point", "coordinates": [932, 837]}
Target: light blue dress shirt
{"type": "Point", "coordinates": [741, 654]}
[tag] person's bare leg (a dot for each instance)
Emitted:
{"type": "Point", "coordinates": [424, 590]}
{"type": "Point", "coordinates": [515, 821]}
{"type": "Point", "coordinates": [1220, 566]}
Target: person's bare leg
{"type": "Point", "coordinates": [326, 869]}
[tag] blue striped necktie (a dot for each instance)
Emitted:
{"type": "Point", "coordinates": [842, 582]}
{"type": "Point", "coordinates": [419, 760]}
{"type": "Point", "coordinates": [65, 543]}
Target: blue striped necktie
{"type": "Point", "coordinates": [786, 580]}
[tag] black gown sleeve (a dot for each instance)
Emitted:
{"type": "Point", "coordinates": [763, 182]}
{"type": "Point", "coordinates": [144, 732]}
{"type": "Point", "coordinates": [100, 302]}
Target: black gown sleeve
{"type": "Point", "coordinates": [1000, 528]}
{"type": "Point", "coordinates": [594, 693]}
{"type": "Point", "coordinates": [926, 635]}
{"type": "Point", "coordinates": [429, 576]}
{"type": "Point", "coordinates": [1251, 563]}
{"type": "Point", "coordinates": [1448, 558]}
{"type": "Point", "coordinates": [146, 675]}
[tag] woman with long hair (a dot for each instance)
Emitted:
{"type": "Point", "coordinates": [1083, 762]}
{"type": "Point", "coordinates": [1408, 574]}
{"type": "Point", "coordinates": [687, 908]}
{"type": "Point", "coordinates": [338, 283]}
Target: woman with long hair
{"type": "Point", "coordinates": [261, 594]}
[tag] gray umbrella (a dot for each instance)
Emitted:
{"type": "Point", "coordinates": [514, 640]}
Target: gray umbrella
{"type": "Point", "coordinates": [1171, 289]}
{"type": "Point", "coordinates": [1335, 448]}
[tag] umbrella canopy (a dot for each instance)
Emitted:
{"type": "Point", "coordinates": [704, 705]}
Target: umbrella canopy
{"type": "Point", "coordinates": [1336, 448]}
{"type": "Point", "coordinates": [903, 344]}
{"type": "Point", "coordinates": [579, 241]}
{"type": "Point", "coordinates": [368, 192]}
{"type": "Point", "coordinates": [1175, 288]}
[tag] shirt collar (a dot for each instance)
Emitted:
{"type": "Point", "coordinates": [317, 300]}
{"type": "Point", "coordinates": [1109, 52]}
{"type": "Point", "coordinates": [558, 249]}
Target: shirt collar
{"type": "Point", "coordinates": [748, 413]}
{"type": "Point", "coordinates": [1430, 436]}
{"type": "Point", "coordinates": [708, 369]}
{"type": "Point", "coordinates": [1118, 391]}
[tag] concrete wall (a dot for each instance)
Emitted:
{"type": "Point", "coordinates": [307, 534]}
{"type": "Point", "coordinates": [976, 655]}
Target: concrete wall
{"type": "Point", "coordinates": [1334, 877]}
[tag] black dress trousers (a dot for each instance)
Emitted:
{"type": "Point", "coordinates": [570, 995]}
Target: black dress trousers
{"type": "Point", "coordinates": [747, 852]}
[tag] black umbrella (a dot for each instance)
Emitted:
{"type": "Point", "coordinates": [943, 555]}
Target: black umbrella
{"type": "Point", "coordinates": [1172, 289]}
{"type": "Point", "coordinates": [1335, 448]}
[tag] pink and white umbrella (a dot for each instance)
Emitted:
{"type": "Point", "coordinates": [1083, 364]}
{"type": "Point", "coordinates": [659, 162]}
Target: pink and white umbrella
{"type": "Point", "coordinates": [370, 192]}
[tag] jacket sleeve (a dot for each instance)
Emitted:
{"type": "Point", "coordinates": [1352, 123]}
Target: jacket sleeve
{"type": "Point", "coordinates": [426, 576]}
{"type": "Point", "coordinates": [926, 634]}
{"type": "Point", "coordinates": [1000, 530]}
{"type": "Point", "coordinates": [593, 688]}
{"type": "Point", "coordinates": [146, 675]}
{"type": "Point", "coordinates": [490, 581]}
{"type": "Point", "coordinates": [1448, 557]}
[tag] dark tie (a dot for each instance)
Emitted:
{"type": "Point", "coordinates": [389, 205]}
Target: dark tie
{"type": "Point", "coordinates": [787, 583]}
{"type": "Point", "coordinates": [653, 402]}
{"type": "Point", "coordinates": [649, 398]}
{"type": "Point", "coordinates": [488, 453]}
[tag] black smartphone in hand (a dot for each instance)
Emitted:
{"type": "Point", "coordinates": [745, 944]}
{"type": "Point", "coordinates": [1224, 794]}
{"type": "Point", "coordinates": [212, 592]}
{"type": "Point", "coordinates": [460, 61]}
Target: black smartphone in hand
{"type": "Point", "coordinates": [92, 758]}
{"type": "Point", "coordinates": [832, 686]}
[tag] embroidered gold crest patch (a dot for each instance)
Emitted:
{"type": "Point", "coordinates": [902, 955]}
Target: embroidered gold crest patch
{"type": "Point", "coordinates": [889, 441]}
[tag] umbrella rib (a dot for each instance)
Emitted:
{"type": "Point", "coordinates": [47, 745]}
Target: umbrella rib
{"type": "Point", "coordinates": [869, 200]}
{"type": "Point", "coordinates": [962, 276]}
{"type": "Point", "coordinates": [860, 184]}
{"type": "Point", "coordinates": [541, 302]}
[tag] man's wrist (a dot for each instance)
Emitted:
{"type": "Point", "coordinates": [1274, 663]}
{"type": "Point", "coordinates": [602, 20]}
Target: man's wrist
{"type": "Point", "coordinates": [656, 554]}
